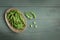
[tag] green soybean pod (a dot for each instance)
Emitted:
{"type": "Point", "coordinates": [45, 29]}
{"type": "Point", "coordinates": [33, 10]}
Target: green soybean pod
{"type": "Point", "coordinates": [15, 25]}
{"type": "Point", "coordinates": [34, 22]}
{"type": "Point", "coordinates": [29, 16]}
{"type": "Point", "coordinates": [35, 26]}
{"type": "Point", "coordinates": [33, 14]}
{"type": "Point", "coordinates": [20, 26]}
{"type": "Point", "coordinates": [11, 13]}
{"type": "Point", "coordinates": [31, 25]}
{"type": "Point", "coordinates": [8, 16]}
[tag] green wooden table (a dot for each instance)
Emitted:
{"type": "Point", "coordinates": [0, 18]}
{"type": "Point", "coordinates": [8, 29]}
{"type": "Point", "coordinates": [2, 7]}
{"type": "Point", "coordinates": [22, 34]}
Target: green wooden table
{"type": "Point", "coordinates": [48, 20]}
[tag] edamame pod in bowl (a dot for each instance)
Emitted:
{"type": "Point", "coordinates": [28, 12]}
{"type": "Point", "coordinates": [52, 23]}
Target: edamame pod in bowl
{"type": "Point", "coordinates": [15, 20]}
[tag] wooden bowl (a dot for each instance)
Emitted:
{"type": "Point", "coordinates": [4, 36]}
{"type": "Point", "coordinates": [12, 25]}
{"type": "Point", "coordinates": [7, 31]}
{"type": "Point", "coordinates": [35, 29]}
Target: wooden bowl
{"type": "Point", "coordinates": [9, 25]}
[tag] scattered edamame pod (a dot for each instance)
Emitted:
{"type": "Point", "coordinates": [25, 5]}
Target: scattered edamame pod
{"type": "Point", "coordinates": [30, 15]}
{"type": "Point", "coordinates": [34, 22]}
{"type": "Point", "coordinates": [35, 26]}
{"type": "Point", "coordinates": [34, 15]}
{"type": "Point", "coordinates": [31, 25]}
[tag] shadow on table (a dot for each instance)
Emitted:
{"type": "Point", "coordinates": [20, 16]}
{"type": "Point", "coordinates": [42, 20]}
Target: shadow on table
{"type": "Point", "coordinates": [9, 36]}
